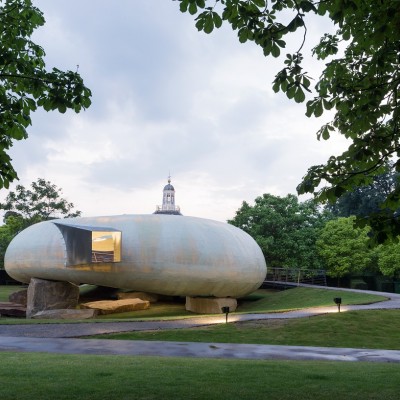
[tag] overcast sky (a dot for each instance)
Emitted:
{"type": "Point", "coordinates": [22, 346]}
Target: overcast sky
{"type": "Point", "coordinates": [166, 99]}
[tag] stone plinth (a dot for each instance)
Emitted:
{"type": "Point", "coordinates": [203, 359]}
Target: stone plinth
{"type": "Point", "coordinates": [210, 305]}
{"type": "Point", "coordinates": [151, 297]}
{"type": "Point", "coordinates": [49, 295]}
{"type": "Point", "coordinates": [117, 306]}
{"type": "Point", "coordinates": [65, 314]}
{"type": "Point", "coordinates": [12, 310]}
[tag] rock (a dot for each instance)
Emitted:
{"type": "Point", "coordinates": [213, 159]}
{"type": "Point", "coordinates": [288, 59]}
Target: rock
{"type": "Point", "coordinates": [117, 306]}
{"type": "Point", "coordinates": [151, 297]}
{"type": "Point", "coordinates": [8, 309]}
{"type": "Point", "coordinates": [210, 305]}
{"type": "Point", "coordinates": [68, 313]}
{"type": "Point", "coordinates": [49, 295]}
{"type": "Point", "coordinates": [19, 297]}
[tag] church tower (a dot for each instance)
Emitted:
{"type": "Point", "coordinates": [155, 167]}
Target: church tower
{"type": "Point", "coordinates": [168, 203]}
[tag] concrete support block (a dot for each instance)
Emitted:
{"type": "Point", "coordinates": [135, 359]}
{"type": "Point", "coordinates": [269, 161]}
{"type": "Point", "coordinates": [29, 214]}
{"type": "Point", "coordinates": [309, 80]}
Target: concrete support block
{"type": "Point", "coordinates": [210, 305]}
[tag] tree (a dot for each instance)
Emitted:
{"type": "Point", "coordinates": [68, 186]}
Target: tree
{"type": "Point", "coordinates": [360, 83]}
{"type": "Point", "coordinates": [364, 201]}
{"type": "Point", "coordinates": [344, 248]}
{"type": "Point", "coordinates": [13, 225]}
{"type": "Point", "coordinates": [25, 84]}
{"type": "Point", "coordinates": [25, 207]}
{"type": "Point", "coordinates": [389, 259]}
{"type": "Point", "coordinates": [40, 203]}
{"type": "Point", "coordinates": [285, 229]}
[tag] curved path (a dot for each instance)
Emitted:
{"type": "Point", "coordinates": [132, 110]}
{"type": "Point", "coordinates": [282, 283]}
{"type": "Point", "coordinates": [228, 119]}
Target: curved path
{"type": "Point", "coordinates": [64, 338]}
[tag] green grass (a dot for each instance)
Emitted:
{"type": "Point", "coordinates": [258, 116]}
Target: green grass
{"type": "Point", "coordinates": [6, 290]}
{"type": "Point", "coordinates": [162, 310]}
{"type": "Point", "coordinates": [260, 301]}
{"type": "Point", "coordinates": [361, 329]}
{"type": "Point", "coordinates": [27, 376]}
{"type": "Point", "coordinates": [301, 297]}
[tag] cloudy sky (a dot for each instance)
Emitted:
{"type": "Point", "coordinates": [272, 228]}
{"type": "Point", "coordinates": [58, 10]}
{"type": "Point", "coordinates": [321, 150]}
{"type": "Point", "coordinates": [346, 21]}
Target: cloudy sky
{"type": "Point", "coordinates": [166, 99]}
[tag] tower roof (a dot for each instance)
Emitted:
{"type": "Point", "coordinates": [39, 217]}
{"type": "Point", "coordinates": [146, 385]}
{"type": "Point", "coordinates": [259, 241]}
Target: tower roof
{"type": "Point", "coordinates": [168, 204]}
{"type": "Point", "coordinates": [169, 186]}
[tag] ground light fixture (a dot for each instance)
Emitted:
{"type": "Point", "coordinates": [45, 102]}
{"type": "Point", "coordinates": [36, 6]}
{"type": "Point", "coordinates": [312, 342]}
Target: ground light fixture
{"type": "Point", "coordinates": [225, 310]}
{"type": "Point", "coordinates": [338, 301]}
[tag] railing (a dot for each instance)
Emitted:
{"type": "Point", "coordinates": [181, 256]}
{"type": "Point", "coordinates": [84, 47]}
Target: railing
{"type": "Point", "coordinates": [295, 276]}
{"type": "Point", "coordinates": [169, 207]}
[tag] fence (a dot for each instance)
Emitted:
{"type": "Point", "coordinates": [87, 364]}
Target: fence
{"type": "Point", "coordinates": [295, 276]}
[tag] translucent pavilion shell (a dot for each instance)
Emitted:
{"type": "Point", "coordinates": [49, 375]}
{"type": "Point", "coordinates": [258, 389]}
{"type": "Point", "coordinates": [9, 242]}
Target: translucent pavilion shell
{"type": "Point", "coordinates": [164, 254]}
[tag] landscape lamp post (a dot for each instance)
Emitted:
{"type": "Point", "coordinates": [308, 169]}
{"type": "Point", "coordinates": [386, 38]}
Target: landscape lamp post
{"type": "Point", "coordinates": [338, 301]}
{"type": "Point", "coordinates": [225, 310]}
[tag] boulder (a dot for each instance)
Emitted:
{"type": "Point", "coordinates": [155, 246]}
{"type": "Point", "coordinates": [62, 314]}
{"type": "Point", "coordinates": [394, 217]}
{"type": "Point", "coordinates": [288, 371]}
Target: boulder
{"type": "Point", "coordinates": [12, 310]}
{"type": "Point", "coordinates": [19, 297]}
{"type": "Point", "coordinates": [50, 295]}
{"type": "Point", "coordinates": [151, 297]}
{"type": "Point", "coordinates": [210, 305]}
{"type": "Point", "coordinates": [67, 313]}
{"type": "Point", "coordinates": [117, 306]}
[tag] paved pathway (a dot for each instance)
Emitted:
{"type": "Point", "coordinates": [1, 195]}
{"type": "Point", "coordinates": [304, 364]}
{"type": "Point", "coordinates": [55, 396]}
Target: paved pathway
{"type": "Point", "coordinates": [63, 338]}
{"type": "Point", "coordinates": [190, 349]}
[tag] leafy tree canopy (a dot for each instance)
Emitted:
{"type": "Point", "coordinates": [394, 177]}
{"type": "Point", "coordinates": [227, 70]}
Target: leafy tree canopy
{"type": "Point", "coordinates": [25, 84]}
{"type": "Point", "coordinates": [284, 228]}
{"type": "Point", "coordinates": [344, 248]}
{"type": "Point", "coordinates": [25, 207]}
{"type": "Point", "coordinates": [364, 201]}
{"type": "Point", "coordinates": [13, 225]}
{"type": "Point", "coordinates": [40, 203]}
{"type": "Point", "coordinates": [389, 259]}
{"type": "Point", "coordinates": [360, 82]}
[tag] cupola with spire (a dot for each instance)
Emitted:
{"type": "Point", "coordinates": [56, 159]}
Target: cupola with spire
{"type": "Point", "coordinates": [168, 204]}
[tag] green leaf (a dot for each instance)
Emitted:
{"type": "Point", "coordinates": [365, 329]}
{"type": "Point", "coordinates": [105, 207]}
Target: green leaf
{"type": "Point", "coordinates": [307, 6]}
{"type": "Point", "coordinates": [325, 133]}
{"type": "Point", "coordinates": [318, 109]}
{"type": "Point", "coordinates": [192, 8]}
{"type": "Point", "coordinates": [17, 132]}
{"type": "Point", "coordinates": [275, 51]}
{"type": "Point", "coordinates": [290, 93]}
{"type": "Point", "coordinates": [306, 82]}
{"type": "Point", "coordinates": [327, 105]}
{"type": "Point", "coordinates": [299, 96]}
{"type": "Point", "coordinates": [281, 43]}
{"type": "Point", "coordinates": [217, 20]}
{"type": "Point", "coordinates": [200, 23]}
{"type": "Point", "coordinates": [259, 3]}
{"type": "Point", "coordinates": [208, 24]}
{"type": "Point", "coordinates": [276, 86]}
{"type": "Point", "coordinates": [183, 6]}
{"type": "Point", "coordinates": [243, 35]}
{"type": "Point", "coordinates": [295, 23]}
{"type": "Point", "coordinates": [62, 108]}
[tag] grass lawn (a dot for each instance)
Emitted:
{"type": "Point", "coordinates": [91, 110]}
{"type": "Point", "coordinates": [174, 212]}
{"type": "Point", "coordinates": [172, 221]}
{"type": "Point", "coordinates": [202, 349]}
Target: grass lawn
{"type": "Point", "coordinates": [263, 301]}
{"type": "Point", "coordinates": [260, 301]}
{"type": "Point", "coordinates": [360, 329]}
{"type": "Point", "coordinates": [6, 290]}
{"type": "Point", "coordinates": [27, 376]}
